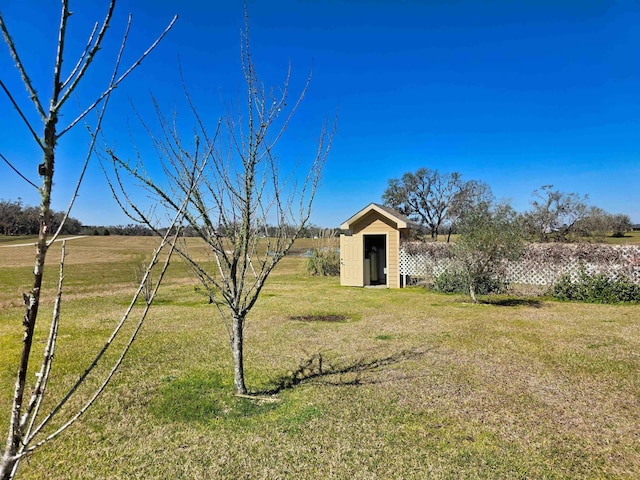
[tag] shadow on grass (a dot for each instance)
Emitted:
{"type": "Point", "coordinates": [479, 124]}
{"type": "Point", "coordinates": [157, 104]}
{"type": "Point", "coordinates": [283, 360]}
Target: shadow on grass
{"type": "Point", "coordinates": [514, 302]}
{"type": "Point", "coordinates": [317, 368]}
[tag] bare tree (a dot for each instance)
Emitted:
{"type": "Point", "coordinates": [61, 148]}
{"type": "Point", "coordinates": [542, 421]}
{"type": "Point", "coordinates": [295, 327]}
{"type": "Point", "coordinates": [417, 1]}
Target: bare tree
{"type": "Point", "coordinates": [26, 431]}
{"type": "Point", "coordinates": [554, 214]}
{"type": "Point", "coordinates": [432, 198]}
{"type": "Point", "coordinates": [243, 189]}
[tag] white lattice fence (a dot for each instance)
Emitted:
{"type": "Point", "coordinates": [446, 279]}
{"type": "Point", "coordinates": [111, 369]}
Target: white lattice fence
{"type": "Point", "coordinates": [541, 264]}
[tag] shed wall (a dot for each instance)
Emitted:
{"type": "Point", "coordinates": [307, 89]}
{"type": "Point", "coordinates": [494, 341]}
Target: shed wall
{"type": "Point", "coordinates": [376, 224]}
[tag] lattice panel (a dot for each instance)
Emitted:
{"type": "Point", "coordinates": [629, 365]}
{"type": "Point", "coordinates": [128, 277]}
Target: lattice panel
{"type": "Point", "coordinates": [536, 268]}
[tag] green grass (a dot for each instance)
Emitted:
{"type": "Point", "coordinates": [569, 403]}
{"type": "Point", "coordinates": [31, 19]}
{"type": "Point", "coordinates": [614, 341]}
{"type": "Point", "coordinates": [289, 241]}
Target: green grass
{"type": "Point", "coordinates": [17, 239]}
{"type": "Point", "coordinates": [414, 384]}
{"type": "Point", "coordinates": [629, 238]}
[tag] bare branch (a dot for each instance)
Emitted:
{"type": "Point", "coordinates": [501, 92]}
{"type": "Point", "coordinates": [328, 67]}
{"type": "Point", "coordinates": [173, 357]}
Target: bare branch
{"type": "Point", "coordinates": [43, 376]}
{"type": "Point", "coordinates": [64, 16]}
{"type": "Point", "coordinates": [18, 172]}
{"type": "Point", "coordinates": [169, 238]}
{"type": "Point", "coordinates": [22, 115]}
{"type": "Point", "coordinates": [119, 80]}
{"type": "Point", "coordinates": [125, 350]}
{"type": "Point", "coordinates": [80, 61]}
{"type": "Point", "coordinates": [94, 135]}
{"type": "Point", "coordinates": [20, 66]}
{"type": "Point", "coordinates": [56, 103]}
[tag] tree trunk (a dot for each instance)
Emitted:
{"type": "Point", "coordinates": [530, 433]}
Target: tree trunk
{"type": "Point", "coordinates": [6, 468]}
{"type": "Point", "coordinates": [472, 293]}
{"type": "Point", "coordinates": [16, 432]}
{"type": "Point", "coordinates": [237, 341]}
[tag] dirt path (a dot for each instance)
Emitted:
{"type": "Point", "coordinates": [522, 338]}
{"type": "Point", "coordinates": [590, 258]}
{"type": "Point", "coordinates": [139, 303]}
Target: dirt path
{"type": "Point", "coordinates": [33, 243]}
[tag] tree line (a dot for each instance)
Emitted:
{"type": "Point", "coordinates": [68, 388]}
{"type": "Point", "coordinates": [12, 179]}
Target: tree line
{"type": "Point", "coordinates": [19, 219]}
{"type": "Point", "coordinates": [439, 202]}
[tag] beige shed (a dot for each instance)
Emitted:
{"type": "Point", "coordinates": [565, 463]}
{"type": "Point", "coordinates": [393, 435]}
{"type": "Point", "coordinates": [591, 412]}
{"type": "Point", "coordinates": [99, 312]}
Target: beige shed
{"type": "Point", "coordinates": [370, 250]}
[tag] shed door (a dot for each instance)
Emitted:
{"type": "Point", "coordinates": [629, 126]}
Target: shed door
{"type": "Point", "coordinates": [351, 261]}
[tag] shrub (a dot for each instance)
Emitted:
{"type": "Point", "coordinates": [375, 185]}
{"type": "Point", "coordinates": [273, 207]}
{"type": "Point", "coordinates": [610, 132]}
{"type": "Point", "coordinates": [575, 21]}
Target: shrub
{"type": "Point", "coordinates": [597, 288]}
{"type": "Point", "coordinates": [324, 262]}
{"type": "Point", "coordinates": [456, 282]}
{"type": "Point", "coordinates": [450, 282]}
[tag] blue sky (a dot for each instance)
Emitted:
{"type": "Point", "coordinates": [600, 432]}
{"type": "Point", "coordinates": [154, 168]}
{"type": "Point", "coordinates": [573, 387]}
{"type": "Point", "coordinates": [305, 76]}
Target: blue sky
{"type": "Point", "coordinates": [515, 94]}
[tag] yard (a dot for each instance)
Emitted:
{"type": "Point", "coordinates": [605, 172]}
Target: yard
{"type": "Point", "coordinates": [413, 384]}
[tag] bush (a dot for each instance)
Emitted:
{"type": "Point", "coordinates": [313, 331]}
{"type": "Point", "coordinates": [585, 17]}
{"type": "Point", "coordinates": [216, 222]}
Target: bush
{"type": "Point", "coordinates": [450, 282]}
{"type": "Point", "coordinates": [598, 288]}
{"type": "Point", "coordinates": [456, 282]}
{"type": "Point", "coordinates": [323, 262]}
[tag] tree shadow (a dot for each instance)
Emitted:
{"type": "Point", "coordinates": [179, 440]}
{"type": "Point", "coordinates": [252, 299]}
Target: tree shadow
{"type": "Point", "coordinates": [514, 302]}
{"type": "Point", "coordinates": [317, 368]}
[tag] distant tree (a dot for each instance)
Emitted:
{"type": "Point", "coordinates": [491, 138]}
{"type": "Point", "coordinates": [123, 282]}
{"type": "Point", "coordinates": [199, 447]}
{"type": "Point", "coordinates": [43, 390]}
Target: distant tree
{"type": "Point", "coordinates": [18, 219]}
{"type": "Point", "coordinates": [554, 214]}
{"type": "Point", "coordinates": [595, 225]}
{"type": "Point", "coordinates": [620, 224]}
{"type": "Point", "coordinates": [9, 216]}
{"type": "Point", "coordinates": [70, 226]}
{"type": "Point", "coordinates": [29, 221]}
{"type": "Point", "coordinates": [489, 236]}
{"type": "Point", "coordinates": [241, 189]}
{"type": "Point", "coordinates": [472, 194]}
{"type": "Point", "coordinates": [433, 199]}
{"type": "Point", "coordinates": [130, 230]}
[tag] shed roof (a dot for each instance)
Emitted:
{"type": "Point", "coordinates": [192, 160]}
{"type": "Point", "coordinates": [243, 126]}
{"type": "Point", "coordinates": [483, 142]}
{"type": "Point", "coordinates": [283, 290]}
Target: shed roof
{"type": "Point", "coordinates": [400, 220]}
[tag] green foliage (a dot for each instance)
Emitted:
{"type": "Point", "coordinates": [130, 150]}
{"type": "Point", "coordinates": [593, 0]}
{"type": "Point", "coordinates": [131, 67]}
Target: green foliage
{"type": "Point", "coordinates": [323, 262]}
{"type": "Point", "coordinates": [457, 282]}
{"type": "Point", "coordinates": [490, 236]}
{"type": "Point", "coordinates": [597, 288]}
{"type": "Point", "coordinates": [450, 282]}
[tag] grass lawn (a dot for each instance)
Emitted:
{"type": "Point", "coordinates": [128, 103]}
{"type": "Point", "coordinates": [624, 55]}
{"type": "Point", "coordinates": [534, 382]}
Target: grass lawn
{"type": "Point", "coordinates": [629, 238]}
{"type": "Point", "coordinates": [414, 384]}
{"type": "Point", "coordinates": [16, 239]}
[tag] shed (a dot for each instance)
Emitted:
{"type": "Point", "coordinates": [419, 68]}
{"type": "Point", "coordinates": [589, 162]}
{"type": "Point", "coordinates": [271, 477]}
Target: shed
{"type": "Point", "coordinates": [370, 248]}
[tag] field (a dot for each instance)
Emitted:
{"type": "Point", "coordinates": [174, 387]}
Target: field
{"type": "Point", "coordinates": [413, 384]}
